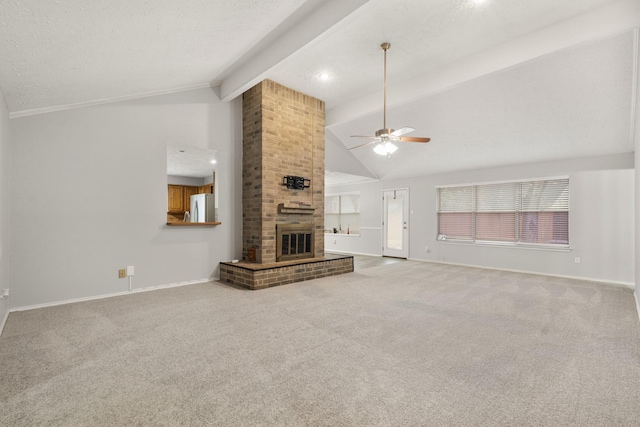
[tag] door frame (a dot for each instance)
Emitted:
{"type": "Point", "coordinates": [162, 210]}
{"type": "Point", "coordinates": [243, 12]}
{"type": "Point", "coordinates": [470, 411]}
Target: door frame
{"type": "Point", "coordinates": [406, 217]}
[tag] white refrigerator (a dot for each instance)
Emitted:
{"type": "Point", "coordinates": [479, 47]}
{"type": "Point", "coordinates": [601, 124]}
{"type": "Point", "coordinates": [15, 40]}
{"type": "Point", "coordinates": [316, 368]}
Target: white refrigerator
{"type": "Point", "coordinates": [203, 208]}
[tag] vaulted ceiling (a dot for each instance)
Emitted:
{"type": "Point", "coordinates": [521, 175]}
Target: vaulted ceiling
{"type": "Point", "coordinates": [492, 82]}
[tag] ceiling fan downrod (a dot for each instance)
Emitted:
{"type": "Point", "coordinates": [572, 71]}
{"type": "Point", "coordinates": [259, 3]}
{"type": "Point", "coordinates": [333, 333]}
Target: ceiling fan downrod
{"type": "Point", "coordinates": [385, 46]}
{"type": "Point", "coordinates": [385, 136]}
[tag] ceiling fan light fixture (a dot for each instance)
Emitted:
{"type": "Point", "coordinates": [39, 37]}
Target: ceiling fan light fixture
{"type": "Point", "coordinates": [385, 148]}
{"type": "Point", "coordinates": [384, 136]}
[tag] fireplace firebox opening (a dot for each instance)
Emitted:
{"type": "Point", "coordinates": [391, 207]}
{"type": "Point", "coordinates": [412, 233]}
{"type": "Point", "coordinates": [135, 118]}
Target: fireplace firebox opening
{"type": "Point", "coordinates": [294, 241]}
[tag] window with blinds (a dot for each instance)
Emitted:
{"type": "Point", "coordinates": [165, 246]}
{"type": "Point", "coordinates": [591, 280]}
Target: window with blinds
{"type": "Point", "coordinates": [523, 212]}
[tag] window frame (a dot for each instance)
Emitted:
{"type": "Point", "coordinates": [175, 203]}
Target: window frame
{"type": "Point", "coordinates": [518, 213]}
{"type": "Point", "coordinates": [340, 212]}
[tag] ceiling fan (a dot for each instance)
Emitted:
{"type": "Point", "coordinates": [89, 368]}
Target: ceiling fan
{"type": "Point", "coordinates": [385, 137]}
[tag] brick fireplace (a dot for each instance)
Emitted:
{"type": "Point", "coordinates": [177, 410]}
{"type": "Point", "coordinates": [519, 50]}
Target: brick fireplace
{"type": "Point", "coordinates": [283, 135]}
{"type": "Point", "coordinates": [283, 183]}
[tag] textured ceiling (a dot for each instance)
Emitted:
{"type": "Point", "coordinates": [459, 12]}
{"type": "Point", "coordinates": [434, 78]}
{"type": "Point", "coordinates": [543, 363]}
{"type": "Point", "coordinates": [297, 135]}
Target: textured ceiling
{"type": "Point", "coordinates": [76, 51]}
{"type": "Point", "coordinates": [332, 178]}
{"type": "Point", "coordinates": [571, 103]}
{"type": "Point", "coordinates": [190, 161]}
{"type": "Point", "coordinates": [424, 35]}
{"type": "Point", "coordinates": [504, 82]}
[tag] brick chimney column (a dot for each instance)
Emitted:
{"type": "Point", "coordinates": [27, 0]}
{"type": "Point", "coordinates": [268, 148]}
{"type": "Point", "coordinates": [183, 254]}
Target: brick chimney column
{"type": "Point", "coordinates": [283, 134]}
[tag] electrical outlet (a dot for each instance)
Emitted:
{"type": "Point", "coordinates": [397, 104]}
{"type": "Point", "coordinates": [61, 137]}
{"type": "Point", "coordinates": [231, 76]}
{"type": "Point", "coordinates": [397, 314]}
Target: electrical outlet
{"type": "Point", "coordinates": [130, 270]}
{"type": "Point", "coordinates": [122, 273]}
{"type": "Point", "coordinates": [5, 293]}
{"type": "Point", "coordinates": [577, 260]}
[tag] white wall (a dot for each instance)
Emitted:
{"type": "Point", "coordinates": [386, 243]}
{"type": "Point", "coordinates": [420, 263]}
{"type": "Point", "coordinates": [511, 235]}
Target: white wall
{"type": "Point", "coordinates": [368, 242]}
{"type": "Point", "coordinates": [186, 180]}
{"type": "Point", "coordinates": [636, 140]}
{"type": "Point", "coordinates": [5, 169]}
{"type": "Point", "coordinates": [602, 220]}
{"type": "Point", "coordinates": [339, 159]}
{"type": "Point", "coordinates": [89, 197]}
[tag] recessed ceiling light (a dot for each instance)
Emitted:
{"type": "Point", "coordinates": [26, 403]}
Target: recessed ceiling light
{"type": "Point", "coordinates": [324, 76]}
{"type": "Point", "coordinates": [478, 2]}
{"type": "Point", "coordinates": [213, 161]}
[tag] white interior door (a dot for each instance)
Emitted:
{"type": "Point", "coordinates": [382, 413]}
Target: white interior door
{"type": "Point", "coordinates": [395, 227]}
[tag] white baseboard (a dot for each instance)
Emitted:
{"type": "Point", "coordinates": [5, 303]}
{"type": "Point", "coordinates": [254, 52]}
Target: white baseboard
{"type": "Point", "coordinates": [4, 320]}
{"type": "Point", "coordinates": [117, 294]}
{"type": "Point", "coordinates": [629, 285]}
{"type": "Point", "coordinates": [350, 253]}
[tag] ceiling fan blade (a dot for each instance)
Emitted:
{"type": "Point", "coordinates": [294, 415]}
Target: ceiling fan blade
{"type": "Point", "coordinates": [402, 131]}
{"type": "Point", "coordinates": [413, 139]}
{"type": "Point", "coordinates": [364, 136]}
{"type": "Point", "coordinates": [364, 145]}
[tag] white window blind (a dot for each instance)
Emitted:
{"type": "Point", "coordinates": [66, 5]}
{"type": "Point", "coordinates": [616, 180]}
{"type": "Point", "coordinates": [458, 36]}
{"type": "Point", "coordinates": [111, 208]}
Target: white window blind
{"type": "Point", "coordinates": [455, 213]}
{"type": "Point", "coordinates": [530, 212]}
{"type": "Point", "coordinates": [544, 217]}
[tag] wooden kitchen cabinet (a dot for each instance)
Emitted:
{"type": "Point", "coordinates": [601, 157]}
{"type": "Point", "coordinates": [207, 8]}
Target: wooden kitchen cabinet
{"type": "Point", "coordinates": [179, 198]}
{"type": "Point", "coordinates": [175, 201]}
{"type": "Point", "coordinates": [206, 189]}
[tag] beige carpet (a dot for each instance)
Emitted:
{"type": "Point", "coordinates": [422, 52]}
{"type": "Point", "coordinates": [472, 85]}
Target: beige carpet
{"type": "Point", "coordinates": [393, 344]}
